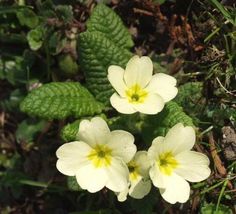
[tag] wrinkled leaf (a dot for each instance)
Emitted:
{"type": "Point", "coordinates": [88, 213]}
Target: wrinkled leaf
{"type": "Point", "coordinates": [70, 131]}
{"type": "Point", "coordinates": [159, 125]}
{"type": "Point", "coordinates": [107, 22]}
{"type": "Point", "coordinates": [97, 53]}
{"type": "Point", "coordinates": [59, 100]}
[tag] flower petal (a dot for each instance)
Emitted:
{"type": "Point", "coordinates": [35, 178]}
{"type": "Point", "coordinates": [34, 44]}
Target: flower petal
{"type": "Point", "coordinates": [164, 85]}
{"type": "Point", "coordinates": [143, 163]}
{"type": "Point", "coordinates": [122, 145]}
{"type": "Point", "coordinates": [140, 189]}
{"type": "Point", "coordinates": [121, 104]}
{"type": "Point", "coordinates": [91, 178]}
{"type": "Point", "coordinates": [177, 189]}
{"type": "Point", "coordinates": [193, 166]}
{"type": "Point", "coordinates": [118, 175]}
{"type": "Point", "coordinates": [116, 78]}
{"type": "Point", "coordinates": [122, 196]}
{"type": "Point", "coordinates": [180, 138]}
{"type": "Point", "coordinates": [152, 105]}
{"type": "Point", "coordinates": [154, 149]}
{"type": "Point", "coordinates": [158, 178]}
{"type": "Point", "coordinates": [71, 155]}
{"type": "Point", "coordinates": [138, 71]}
{"type": "Point", "coordinates": [93, 132]}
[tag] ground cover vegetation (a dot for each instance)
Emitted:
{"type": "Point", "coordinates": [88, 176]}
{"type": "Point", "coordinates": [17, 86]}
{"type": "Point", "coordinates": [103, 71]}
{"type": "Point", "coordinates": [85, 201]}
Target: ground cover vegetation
{"type": "Point", "coordinates": [140, 93]}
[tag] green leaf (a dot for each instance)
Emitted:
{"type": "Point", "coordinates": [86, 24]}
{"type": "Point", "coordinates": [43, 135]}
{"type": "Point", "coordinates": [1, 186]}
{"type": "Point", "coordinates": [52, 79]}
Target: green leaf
{"type": "Point", "coordinates": [27, 17]}
{"type": "Point", "coordinates": [159, 1]}
{"type": "Point", "coordinates": [97, 53]}
{"type": "Point", "coordinates": [12, 38]}
{"type": "Point", "coordinates": [12, 103]}
{"type": "Point", "coordinates": [227, 15]}
{"type": "Point", "coordinates": [13, 70]}
{"type": "Point", "coordinates": [72, 184]}
{"type": "Point", "coordinates": [35, 38]}
{"type": "Point", "coordinates": [28, 129]}
{"type": "Point", "coordinates": [106, 21]}
{"type": "Point", "coordinates": [69, 132]}
{"type": "Point", "coordinates": [11, 9]}
{"type": "Point", "coordinates": [9, 180]}
{"type": "Point", "coordinates": [56, 43]}
{"type": "Point", "coordinates": [146, 205]}
{"type": "Point", "coordinates": [60, 100]}
{"type": "Point", "coordinates": [159, 125]}
{"type": "Point", "coordinates": [65, 13]}
{"type": "Point", "coordinates": [191, 99]}
{"type": "Point", "coordinates": [218, 114]}
{"type": "Point", "coordinates": [68, 65]}
{"type": "Point", "coordinates": [128, 122]}
{"type": "Point", "coordinates": [211, 209]}
{"type": "Point", "coordinates": [186, 91]}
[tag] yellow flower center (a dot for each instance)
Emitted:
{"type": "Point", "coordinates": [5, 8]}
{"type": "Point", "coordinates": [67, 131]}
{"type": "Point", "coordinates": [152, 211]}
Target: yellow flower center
{"type": "Point", "coordinates": [136, 94]}
{"type": "Point", "coordinates": [100, 156]}
{"type": "Point", "coordinates": [133, 170]}
{"type": "Point", "coordinates": [167, 163]}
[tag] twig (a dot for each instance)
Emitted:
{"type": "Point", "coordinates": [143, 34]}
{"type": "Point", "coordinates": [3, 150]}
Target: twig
{"type": "Point", "coordinates": [144, 12]}
{"type": "Point", "coordinates": [217, 161]}
{"type": "Point", "coordinates": [225, 89]}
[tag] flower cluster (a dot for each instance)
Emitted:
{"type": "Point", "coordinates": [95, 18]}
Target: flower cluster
{"type": "Point", "coordinates": [103, 158]}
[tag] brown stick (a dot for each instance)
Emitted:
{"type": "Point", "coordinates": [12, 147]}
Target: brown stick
{"type": "Point", "coordinates": [217, 161]}
{"type": "Point", "coordinates": [144, 12]}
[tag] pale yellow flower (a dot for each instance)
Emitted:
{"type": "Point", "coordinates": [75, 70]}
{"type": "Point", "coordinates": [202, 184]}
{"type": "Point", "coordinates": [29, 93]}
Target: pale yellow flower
{"type": "Point", "coordinates": [99, 159]}
{"type": "Point", "coordinates": [138, 90]}
{"type": "Point", "coordinates": [139, 182]}
{"type": "Point", "coordinates": [173, 164]}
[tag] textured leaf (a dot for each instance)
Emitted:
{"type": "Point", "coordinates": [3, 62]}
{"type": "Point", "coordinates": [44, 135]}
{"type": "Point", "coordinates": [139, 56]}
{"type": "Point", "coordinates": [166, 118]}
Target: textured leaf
{"type": "Point", "coordinates": [69, 132]}
{"type": "Point", "coordinates": [191, 99]}
{"type": "Point", "coordinates": [154, 126]}
{"type": "Point", "coordinates": [27, 17]}
{"type": "Point", "coordinates": [97, 53]}
{"type": "Point", "coordinates": [60, 100]}
{"type": "Point", "coordinates": [189, 95]}
{"type": "Point", "coordinates": [106, 21]}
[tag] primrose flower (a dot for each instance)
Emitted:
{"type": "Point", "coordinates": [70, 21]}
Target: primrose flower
{"type": "Point", "coordinates": [139, 91]}
{"type": "Point", "coordinates": [139, 182]}
{"type": "Point", "coordinates": [99, 159]}
{"type": "Point", "coordinates": [172, 163]}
